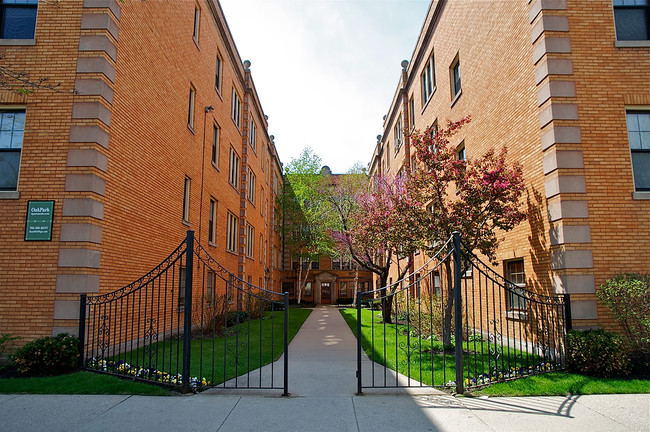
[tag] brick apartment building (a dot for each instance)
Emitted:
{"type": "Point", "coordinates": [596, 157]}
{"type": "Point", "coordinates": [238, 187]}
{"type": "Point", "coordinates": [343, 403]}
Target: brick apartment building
{"type": "Point", "coordinates": [565, 85]}
{"type": "Point", "coordinates": [154, 128]}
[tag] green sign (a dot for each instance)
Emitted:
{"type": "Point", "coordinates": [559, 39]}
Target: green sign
{"type": "Point", "coordinates": [39, 220]}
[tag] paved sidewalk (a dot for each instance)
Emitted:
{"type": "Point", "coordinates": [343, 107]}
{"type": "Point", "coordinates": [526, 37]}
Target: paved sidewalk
{"type": "Point", "coordinates": [322, 364]}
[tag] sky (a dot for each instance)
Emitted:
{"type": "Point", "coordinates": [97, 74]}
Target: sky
{"type": "Point", "coordinates": [326, 71]}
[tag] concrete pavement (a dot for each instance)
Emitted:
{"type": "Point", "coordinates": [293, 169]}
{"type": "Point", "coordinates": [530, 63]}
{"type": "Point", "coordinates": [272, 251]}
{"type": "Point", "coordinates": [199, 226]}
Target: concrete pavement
{"type": "Point", "coordinates": [322, 365]}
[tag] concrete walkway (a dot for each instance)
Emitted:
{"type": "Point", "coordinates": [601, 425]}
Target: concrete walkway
{"type": "Point", "coordinates": [322, 365]}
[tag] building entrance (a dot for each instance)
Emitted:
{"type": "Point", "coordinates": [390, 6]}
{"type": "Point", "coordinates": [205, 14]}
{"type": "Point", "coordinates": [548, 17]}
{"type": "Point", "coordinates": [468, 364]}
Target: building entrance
{"type": "Point", "coordinates": [326, 292]}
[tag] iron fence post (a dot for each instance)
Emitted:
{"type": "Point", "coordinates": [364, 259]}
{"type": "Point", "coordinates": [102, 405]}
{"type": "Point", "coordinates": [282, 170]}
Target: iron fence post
{"type": "Point", "coordinates": [458, 321]}
{"type": "Point", "coordinates": [359, 383]}
{"type": "Point", "coordinates": [82, 328]}
{"type": "Point", "coordinates": [567, 312]}
{"type": "Point", "coordinates": [286, 344]}
{"type": "Point", "coordinates": [187, 324]}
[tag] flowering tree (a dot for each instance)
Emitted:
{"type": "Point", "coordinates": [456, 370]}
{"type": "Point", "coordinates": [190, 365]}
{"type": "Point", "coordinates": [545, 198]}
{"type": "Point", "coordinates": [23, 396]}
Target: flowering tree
{"type": "Point", "coordinates": [476, 197]}
{"type": "Point", "coordinates": [377, 226]}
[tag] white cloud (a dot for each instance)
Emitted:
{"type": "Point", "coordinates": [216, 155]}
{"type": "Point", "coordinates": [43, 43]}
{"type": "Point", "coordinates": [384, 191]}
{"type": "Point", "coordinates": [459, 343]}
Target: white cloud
{"type": "Point", "coordinates": [326, 70]}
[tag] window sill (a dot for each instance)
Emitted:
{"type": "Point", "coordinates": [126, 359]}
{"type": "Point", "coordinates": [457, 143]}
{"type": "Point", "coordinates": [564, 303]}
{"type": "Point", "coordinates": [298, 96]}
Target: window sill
{"type": "Point", "coordinates": [453, 102]}
{"type": "Point", "coordinates": [17, 42]}
{"type": "Point", "coordinates": [632, 44]}
{"type": "Point", "coordinates": [196, 42]}
{"type": "Point", "coordinates": [186, 223]}
{"type": "Point", "coordinates": [211, 243]}
{"type": "Point", "coordinates": [218, 90]}
{"type": "Point", "coordinates": [517, 315]}
{"type": "Point", "coordinates": [215, 166]}
{"type": "Point", "coordinates": [645, 195]}
{"type": "Point", "coordinates": [9, 195]}
{"type": "Point", "coordinates": [191, 129]}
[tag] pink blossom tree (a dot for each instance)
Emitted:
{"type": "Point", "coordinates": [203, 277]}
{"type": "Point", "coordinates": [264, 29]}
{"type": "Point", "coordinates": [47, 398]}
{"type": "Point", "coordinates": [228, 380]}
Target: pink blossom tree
{"type": "Point", "coordinates": [477, 197]}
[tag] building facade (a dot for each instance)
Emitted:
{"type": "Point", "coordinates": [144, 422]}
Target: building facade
{"type": "Point", "coordinates": [565, 86]}
{"type": "Point", "coordinates": [141, 131]}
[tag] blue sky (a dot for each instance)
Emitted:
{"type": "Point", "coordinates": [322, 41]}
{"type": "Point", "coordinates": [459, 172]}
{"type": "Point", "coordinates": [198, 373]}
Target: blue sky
{"type": "Point", "coordinates": [326, 70]}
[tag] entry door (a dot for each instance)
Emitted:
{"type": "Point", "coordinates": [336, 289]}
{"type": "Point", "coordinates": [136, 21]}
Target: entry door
{"type": "Point", "coordinates": [326, 292]}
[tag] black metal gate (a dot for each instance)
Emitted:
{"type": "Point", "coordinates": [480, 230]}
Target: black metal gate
{"type": "Point", "coordinates": [456, 323]}
{"type": "Point", "coordinates": [188, 323]}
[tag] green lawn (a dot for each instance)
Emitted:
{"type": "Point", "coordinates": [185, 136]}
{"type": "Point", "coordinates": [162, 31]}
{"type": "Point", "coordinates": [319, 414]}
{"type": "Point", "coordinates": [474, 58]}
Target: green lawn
{"type": "Point", "coordinates": [425, 362]}
{"type": "Point", "coordinates": [248, 347]}
{"type": "Point", "coordinates": [80, 383]}
{"type": "Point", "coordinates": [562, 384]}
{"type": "Point", "coordinates": [546, 384]}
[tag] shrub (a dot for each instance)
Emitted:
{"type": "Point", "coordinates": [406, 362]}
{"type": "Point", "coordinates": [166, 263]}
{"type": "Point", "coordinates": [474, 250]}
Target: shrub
{"type": "Point", "coordinates": [47, 356]}
{"type": "Point", "coordinates": [6, 341]}
{"type": "Point", "coordinates": [628, 297]}
{"type": "Point", "coordinates": [597, 353]}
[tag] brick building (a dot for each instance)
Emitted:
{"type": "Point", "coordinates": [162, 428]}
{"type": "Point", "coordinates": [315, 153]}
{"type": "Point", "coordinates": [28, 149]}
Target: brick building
{"type": "Point", "coordinates": [565, 85]}
{"type": "Point", "coordinates": [152, 129]}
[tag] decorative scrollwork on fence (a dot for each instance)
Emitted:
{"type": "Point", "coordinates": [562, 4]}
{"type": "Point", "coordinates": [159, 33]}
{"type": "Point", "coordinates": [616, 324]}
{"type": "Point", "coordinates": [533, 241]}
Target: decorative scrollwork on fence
{"type": "Point", "coordinates": [103, 334]}
{"type": "Point", "coordinates": [143, 281]}
{"type": "Point", "coordinates": [410, 350]}
{"type": "Point", "coordinates": [495, 341]}
{"type": "Point", "coordinates": [237, 347]}
{"type": "Point", "coordinates": [150, 341]}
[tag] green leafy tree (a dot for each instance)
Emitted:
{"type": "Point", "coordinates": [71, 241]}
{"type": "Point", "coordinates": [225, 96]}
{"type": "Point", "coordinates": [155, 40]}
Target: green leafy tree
{"type": "Point", "coordinates": [306, 236]}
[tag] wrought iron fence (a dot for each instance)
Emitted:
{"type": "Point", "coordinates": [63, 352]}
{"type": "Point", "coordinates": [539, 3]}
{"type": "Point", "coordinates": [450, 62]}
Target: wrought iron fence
{"type": "Point", "coordinates": [457, 323]}
{"type": "Point", "coordinates": [188, 323]}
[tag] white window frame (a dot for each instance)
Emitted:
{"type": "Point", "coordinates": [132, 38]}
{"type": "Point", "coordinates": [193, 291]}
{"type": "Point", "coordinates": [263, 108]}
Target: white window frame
{"type": "Point", "coordinates": [232, 228]}
{"type": "Point", "coordinates": [455, 79]}
{"type": "Point", "coordinates": [233, 172]}
{"type": "Point", "coordinates": [235, 112]}
{"type": "Point", "coordinates": [190, 108]}
{"type": "Point", "coordinates": [218, 75]}
{"type": "Point", "coordinates": [251, 187]}
{"type": "Point", "coordinates": [643, 146]}
{"type": "Point", "coordinates": [216, 137]}
{"type": "Point", "coordinates": [197, 23]}
{"type": "Point", "coordinates": [187, 186]}
{"type": "Point", "coordinates": [397, 134]}
{"type": "Point", "coordinates": [252, 135]}
{"type": "Point", "coordinates": [15, 145]}
{"type": "Point", "coordinates": [250, 241]}
{"type": "Point", "coordinates": [212, 222]}
{"type": "Point", "coordinates": [428, 80]}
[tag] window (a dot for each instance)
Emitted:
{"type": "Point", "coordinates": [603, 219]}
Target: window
{"type": "Point", "coordinates": [387, 156]}
{"type": "Point", "coordinates": [412, 113]}
{"type": "Point", "coordinates": [231, 232]}
{"type": "Point", "coordinates": [343, 289]}
{"type": "Point", "coordinates": [215, 145]}
{"type": "Point", "coordinates": [428, 79]}
{"type": "Point", "coordinates": [197, 21]}
{"type": "Point", "coordinates": [516, 299]}
{"type": "Point", "coordinates": [397, 132]}
{"type": "Point", "coordinates": [261, 250]}
{"type": "Point", "coordinates": [186, 200]}
{"type": "Point", "coordinates": [234, 168]}
{"type": "Point", "coordinates": [454, 72]}
{"type": "Point", "coordinates": [18, 19]}
{"type": "Point", "coordinates": [181, 288]}
{"type": "Point", "coordinates": [632, 19]}
{"type": "Point", "coordinates": [190, 109]}
{"type": "Point", "coordinates": [251, 186]}
{"type": "Point", "coordinates": [460, 152]}
{"type": "Point", "coordinates": [262, 201]}
{"type": "Point", "coordinates": [308, 289]}
{"type": "Point", "coordinates": [230, 289]}
{"type": "Point", "coordinates": [252, 136]}
{"type": "Point", "coordinates": [12, 128]}
{"type": "Point", "coordinates": [288, 287]}
{"type": "Point", "coordinates": [218, 73]}
{"type": "Point", "coordinates": [638, 132]}
{"type": "Point", "coordinates": [212, 222]}
{"type": "Point", "coordinates": [209, 286]}
{"type": "Point", "coordinates": [236, 109]}
{"type": "Point", "coordinates": [250, 241]}
{"type": "Point", "coordinates": [315, 264]}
